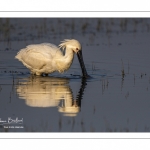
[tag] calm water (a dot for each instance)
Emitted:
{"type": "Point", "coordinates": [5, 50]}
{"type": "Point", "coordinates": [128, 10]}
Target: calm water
{"type": "Point", "coordinates": [116, 98]}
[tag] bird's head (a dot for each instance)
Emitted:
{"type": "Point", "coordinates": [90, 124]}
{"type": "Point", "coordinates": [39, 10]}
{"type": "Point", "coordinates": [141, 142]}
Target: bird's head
{"type": "Point", "coordinates": [75, 46]}
{"type": "Point", "coordinates": [72, 44]}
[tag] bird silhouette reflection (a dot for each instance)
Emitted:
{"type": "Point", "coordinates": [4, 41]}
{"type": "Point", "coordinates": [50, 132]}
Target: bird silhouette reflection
{"type": "Point", "coordinates": [51, 92]}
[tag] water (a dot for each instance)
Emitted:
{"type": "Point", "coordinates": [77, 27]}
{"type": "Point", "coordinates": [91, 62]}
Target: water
{"type": "Point", "coordinates": [115, 99]}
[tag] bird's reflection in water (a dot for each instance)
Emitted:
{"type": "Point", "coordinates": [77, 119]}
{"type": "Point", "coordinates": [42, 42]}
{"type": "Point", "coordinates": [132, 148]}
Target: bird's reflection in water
{"type": "Point", "coordinates": [50, 92]}
{"type": "Point", "coordinates": [71, 108]}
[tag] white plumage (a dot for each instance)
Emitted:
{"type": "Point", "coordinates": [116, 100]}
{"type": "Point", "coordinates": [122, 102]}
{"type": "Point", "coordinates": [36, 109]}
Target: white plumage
{"type": "Point", "coordinates": [44, 92]}
{"type": "Point", "coordinates": [46, 58]}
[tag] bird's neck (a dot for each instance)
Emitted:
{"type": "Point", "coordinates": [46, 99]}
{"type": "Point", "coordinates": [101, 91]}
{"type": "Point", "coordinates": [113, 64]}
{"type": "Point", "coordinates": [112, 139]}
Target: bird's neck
{"type": "Point", "coordinates": [68, 55]}
{"type": "Point", "coordinates": [65, 63]}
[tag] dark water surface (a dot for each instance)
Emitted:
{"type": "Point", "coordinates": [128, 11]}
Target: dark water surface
{"type": "Point", "coordinates": [117, 97]}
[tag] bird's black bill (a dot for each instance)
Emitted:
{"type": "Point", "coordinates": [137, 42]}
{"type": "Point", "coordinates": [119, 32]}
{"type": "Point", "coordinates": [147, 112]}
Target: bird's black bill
{"type": "Point", "coordinates": [84, 72]}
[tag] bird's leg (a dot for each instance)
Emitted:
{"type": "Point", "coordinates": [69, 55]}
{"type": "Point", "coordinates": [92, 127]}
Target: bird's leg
{"type": "Point", "coordinates": [44, 74]}
{"type": "Point", "coordinates": [33, 73]}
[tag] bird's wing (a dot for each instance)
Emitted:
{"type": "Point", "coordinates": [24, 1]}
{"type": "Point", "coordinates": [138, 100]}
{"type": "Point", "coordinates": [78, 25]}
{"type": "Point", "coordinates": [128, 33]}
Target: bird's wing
{"type": "Point", "coordinates": [37, 55]}
{"type": "Point", "coordinates": [46, 49]}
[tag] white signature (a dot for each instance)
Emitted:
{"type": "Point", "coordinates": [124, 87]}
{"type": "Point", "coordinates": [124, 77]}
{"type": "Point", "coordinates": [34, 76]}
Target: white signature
{"type": "Point", "coordinates": [11, 121]}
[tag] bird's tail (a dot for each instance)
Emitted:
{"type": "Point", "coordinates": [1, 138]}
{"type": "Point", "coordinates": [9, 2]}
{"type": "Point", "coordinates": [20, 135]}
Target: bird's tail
{"type": "Point", "coordinates": [19, 54]}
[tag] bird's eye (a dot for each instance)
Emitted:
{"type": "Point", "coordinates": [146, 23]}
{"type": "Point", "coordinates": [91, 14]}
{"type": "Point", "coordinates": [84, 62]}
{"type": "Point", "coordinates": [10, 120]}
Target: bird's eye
{"type": "Point", "coordinates": [77, 49]}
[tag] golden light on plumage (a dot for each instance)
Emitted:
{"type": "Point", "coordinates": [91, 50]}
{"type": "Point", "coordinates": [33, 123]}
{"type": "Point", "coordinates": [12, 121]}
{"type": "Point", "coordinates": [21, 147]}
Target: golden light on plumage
{"type": "Point", "coordinates": [46, 58]}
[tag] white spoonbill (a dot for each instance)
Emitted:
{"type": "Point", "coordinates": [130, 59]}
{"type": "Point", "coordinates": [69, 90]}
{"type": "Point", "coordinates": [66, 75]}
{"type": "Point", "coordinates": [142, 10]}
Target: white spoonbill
{"type": "Point", "coordinates": [46, 58]}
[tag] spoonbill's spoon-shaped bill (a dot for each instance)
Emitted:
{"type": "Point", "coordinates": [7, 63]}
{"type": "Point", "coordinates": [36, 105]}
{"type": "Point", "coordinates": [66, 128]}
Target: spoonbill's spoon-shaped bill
{"type": "Point", "coordinates": [46, 58]}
